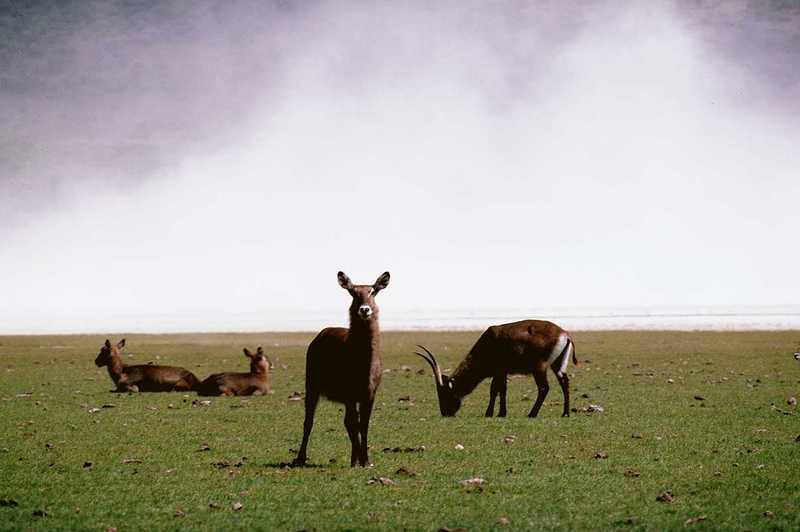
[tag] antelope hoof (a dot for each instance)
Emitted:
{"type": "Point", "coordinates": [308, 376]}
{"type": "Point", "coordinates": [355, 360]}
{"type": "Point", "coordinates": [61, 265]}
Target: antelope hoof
{"type": "Point", "coordinates": [298, 462]}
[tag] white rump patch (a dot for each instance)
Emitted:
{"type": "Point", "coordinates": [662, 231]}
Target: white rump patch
{"type": "Point", "coordinates": [565, 360]}
{"type": "Point", "coordinates": [560, 345]}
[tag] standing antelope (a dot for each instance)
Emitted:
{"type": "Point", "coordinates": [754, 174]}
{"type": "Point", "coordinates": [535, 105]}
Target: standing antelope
{"type": "Point", "coordinates": [254, 383]}
{"type": "Point", "coordinates": [143, 378]}
{"type": "Point", "coordinates": [345, 366]}
{"type": "Point", "coordinates": [523, 347]}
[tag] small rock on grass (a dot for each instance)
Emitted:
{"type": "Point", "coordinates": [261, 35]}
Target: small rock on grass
{"type": "Point", "coordinates": [600, 455]}
{"type": "Point", "coordinates": [419, 449]}
{"type": "Point", "coordinates": [699, 398]}
{"type": "Point", "coordinates": [792, 401]}
{"type": "Point", "coordinates": [474, 481]}
{"type": "Point", "coordinates": [405, 472]}
{"type": "Point", "coordinates": [504, 521]}
{"type": "Point", "coordinates": [383, 481]}
{"type": "Point", "coordinates": [666, 496]}
{"type": "Point", "coordinates": [509, 439]}
{"type": "Point", "coordinates": [180, 513]}
{"type": "Point", "coordinates": [236, 505]}
{"type": "Point", "coordinates": [447, 529]}
{"type": "Point", "coordinates": [693, 520]}
{"type": "Point", "coordinates": [204, 447]}
{"type": "Point", "coordinates": [632, 473]}
{"type": "Point", "coordinates": [768, 514]}
{"type": "Point", "coordinates": [459, 447]}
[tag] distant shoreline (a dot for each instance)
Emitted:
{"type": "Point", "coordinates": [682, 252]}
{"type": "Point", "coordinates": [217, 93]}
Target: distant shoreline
{"type": "Point", "coordinates": [775, 318]}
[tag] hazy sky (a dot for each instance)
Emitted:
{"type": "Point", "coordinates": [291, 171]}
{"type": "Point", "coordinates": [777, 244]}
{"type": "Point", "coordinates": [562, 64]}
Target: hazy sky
{"type": "Point", "coordinates": [205, 159]}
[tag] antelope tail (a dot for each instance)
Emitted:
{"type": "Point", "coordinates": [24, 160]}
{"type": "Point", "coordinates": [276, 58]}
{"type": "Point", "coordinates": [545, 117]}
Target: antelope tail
{"type": "Point", "coordinates": [563, 357]}
{"type": "Point", "coordinates": [575, 360]}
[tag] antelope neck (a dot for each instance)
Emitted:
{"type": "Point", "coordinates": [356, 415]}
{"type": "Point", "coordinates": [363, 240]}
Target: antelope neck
{"type": "Point", "coordinates": [365, 334]}
{"type": "Point", "coordinates": [116, 367]}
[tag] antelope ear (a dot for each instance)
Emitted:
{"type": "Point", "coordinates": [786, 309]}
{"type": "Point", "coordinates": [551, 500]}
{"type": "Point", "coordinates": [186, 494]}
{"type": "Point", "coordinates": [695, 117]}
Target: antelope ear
{"type": "Point", "coordinates": [381, 283]}
{"type": "Point", "coordinates": [247, 352]}
{"type": "Point", "coordinates": [259, 351]}
{"type": "Point", "coordinates": [108, 343]}
{"type": "Point", "coordinates": [121, 344]}
{"type": "Point", "coordinates": [344, 281]}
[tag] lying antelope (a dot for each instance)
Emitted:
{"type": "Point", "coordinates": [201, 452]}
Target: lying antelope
{"type": "Point", "coordinates": [254, 383]}
{"type": "Point", "coordinates": [523, 347]}
{"type": "Point", "coordinates": [345, 366]}
{"type": "Point", "coordinates": [143, 378]}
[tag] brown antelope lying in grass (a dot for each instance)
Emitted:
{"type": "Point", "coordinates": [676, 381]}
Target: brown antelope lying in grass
{"type": "Point", "coordinates": [254, 383]}
{"type": "Point", "coordinates": [345, 366]}
{"type": "Point", "coordinates": [523, 347]}
{"type": "Point", "coordinates": [143, 378]}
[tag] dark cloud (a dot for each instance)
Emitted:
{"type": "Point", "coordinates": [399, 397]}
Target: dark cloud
{"type": "Point", "coordinates": [117, 92]}
{"type": "Point", "coordinates": [762, 37]}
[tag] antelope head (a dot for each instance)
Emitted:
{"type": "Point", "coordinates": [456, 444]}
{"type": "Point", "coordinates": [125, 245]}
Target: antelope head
{"type": "Point", "coordinates": [363, 295]}
{"type": "Point", "coordinates": [107, 353]}
{"type": "Point", "coordinates": [449, 401]}
{"type": "Point", "coordinates": [259, 363]}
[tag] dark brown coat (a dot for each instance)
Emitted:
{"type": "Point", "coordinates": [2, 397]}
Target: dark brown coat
{"type": "Point", "coordinates": [345, 366]}
{"type": "Point", "coordinates": [256, 382]}
{"type": "Point", "coordinates": [143, 378]}
{"type": "Point", "coordinates": [526, 347]}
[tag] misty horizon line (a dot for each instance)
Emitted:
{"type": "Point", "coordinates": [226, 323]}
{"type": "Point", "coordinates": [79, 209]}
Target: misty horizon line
{"type": "Point", "coordinates": [597, 318]}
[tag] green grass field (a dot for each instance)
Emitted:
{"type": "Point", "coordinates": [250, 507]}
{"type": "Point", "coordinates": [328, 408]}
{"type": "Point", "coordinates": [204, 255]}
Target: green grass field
{"type": "Point", "coordinates": [720, 437]}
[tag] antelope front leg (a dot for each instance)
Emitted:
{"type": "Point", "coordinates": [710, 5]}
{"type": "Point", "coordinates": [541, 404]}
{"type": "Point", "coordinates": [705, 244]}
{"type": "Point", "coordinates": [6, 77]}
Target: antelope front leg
{"type": "Point", "coordinates": [308, 424]}
{"type": "Point", "coordinates": [351, 424]}
{"type": "Point", "coordinates": [502, 390]}
{"type": "Point", "coordinates": [365, 411]}
{"type": "Point", "coordinates": [493, 391]}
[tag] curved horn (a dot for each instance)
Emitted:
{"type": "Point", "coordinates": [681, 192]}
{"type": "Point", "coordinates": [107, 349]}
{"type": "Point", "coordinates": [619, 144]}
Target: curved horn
{"type": "Point", "coordinates": [433, 367]}
{"type": "Point", "coordinates": [437, 372]}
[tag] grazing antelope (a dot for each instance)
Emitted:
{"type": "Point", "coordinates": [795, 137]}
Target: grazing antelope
{"type": "Point", "coordinates": [143, 378]}
{"type": "Point", "coordinates": [254, 383]}
{"type": "Point", "coordinates": [523, 347]}
{"type": "Point", "coordinates": [345, 366]}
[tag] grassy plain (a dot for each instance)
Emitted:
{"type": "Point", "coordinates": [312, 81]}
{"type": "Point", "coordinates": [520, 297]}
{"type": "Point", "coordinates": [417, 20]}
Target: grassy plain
{"type": "Point", "coordinates": [702, 415]}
